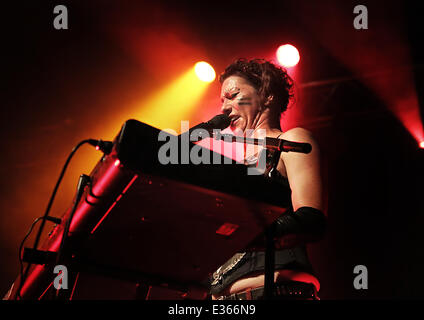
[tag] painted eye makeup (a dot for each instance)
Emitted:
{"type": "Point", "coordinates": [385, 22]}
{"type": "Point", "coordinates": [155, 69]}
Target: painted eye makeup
{"type": "Point", "coordinates": [245, 101]}
{"type": "Point", "coordinates": [230, 96]}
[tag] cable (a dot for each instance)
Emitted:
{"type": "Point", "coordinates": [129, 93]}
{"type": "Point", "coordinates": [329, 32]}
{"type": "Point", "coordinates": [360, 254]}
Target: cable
{"type": "Point", "coordinates": [106, 147]}
{"type": "Point", "coordinates": [83, 181]}
{"type": "Point", "coordinates": [55, 220]}
{"type": "Point", "coordinates": [20, 256]}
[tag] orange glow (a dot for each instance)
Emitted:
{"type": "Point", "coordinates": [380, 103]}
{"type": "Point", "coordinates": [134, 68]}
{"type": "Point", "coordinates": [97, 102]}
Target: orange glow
{"type": "Point", "coordinates": [168, 106]}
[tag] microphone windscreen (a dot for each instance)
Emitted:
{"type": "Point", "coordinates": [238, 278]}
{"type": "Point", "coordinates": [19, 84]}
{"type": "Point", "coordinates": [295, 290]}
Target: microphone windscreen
{"type": "Point", "coordinates": [220, 121]}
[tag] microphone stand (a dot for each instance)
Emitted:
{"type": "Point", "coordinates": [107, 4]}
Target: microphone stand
{"type": "Point", "coordinates": [278, 146]}
{"type": "Point", "coordinates": [269, 242]}
{"type": "Point", "coordinates": [275, 144]}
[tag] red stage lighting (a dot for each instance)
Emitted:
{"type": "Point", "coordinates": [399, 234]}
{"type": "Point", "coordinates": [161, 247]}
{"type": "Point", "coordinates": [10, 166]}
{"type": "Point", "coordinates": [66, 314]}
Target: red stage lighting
{"type": "Point", "coordinates": [422, 144]}
{"type": "Point", "coordinates": [288, 56]}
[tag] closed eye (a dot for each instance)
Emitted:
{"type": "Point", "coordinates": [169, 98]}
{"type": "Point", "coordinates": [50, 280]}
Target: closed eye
{"type": "Point", "coordinates": [231, 96]}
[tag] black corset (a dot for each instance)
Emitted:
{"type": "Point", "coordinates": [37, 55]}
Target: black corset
{"type": "Point", "coordinates": [253, 260]}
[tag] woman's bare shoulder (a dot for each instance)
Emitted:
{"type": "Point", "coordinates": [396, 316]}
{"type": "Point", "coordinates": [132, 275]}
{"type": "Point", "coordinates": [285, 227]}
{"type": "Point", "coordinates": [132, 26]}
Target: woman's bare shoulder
{"type": "Point", "coordinates": [297, 133]}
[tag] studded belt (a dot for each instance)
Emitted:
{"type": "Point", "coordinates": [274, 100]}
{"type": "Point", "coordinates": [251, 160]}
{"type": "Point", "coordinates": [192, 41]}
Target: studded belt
{"type": "Point", "coordinates": [283, 290]}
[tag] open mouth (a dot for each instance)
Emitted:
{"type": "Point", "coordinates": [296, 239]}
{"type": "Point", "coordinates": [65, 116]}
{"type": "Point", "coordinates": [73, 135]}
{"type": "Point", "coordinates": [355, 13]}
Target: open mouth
{"type": "Point", "coordinates": [234, 120]}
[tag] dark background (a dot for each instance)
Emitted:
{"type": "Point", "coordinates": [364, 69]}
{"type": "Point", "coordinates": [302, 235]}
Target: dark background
{"type": "Point", "coordinates": [61, 86]}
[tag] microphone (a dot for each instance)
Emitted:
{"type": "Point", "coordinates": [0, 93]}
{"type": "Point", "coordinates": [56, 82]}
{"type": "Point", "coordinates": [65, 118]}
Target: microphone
{"type": "Point", "coordinates": [271, 143]}
{"type": "Point", "coordinates": [220, 122]}
{"type": "Point", "coordinates": [289, 146]}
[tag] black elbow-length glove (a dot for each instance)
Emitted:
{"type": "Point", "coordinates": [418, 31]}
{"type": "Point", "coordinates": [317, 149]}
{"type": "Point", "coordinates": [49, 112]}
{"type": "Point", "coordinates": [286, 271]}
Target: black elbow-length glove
{"type": "Point", "coordinates": [306, 224]}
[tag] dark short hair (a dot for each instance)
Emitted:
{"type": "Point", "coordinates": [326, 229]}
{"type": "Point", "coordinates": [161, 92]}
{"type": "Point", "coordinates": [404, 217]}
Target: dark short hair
{"type": "Point", "coordinates": [267, 78]}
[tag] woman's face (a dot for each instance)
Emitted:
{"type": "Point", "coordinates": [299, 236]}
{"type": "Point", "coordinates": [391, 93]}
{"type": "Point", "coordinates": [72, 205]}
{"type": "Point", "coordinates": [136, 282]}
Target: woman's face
{"type": "Point", "coordinates": [241, 102]}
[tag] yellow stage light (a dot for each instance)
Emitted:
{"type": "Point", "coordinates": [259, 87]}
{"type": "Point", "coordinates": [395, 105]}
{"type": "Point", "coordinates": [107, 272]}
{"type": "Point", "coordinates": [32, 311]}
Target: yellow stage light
{"type": "Point", "coordinates": [204, 71]}
{"type": "Point", "coordinates": [169, 106]}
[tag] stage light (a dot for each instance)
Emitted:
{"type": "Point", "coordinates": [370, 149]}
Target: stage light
{"type": "Point", "coordinates": [169, 105]}
{"type": "Point", "coordinates": [288, 56]}
{"type": "Point", "coordinates": [204, 71]}
{"type": "Point", "coordinates": [422, 144]}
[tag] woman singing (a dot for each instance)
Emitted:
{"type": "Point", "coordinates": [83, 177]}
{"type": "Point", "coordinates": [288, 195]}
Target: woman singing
{"type": "Point", "coordinates": [254, 95]}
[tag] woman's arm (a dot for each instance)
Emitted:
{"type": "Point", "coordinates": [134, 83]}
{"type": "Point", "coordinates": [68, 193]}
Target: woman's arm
{"type": "Point", "coordinates": [307, 221]}
{"type": "Point", "coordinates": [304, 171]}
